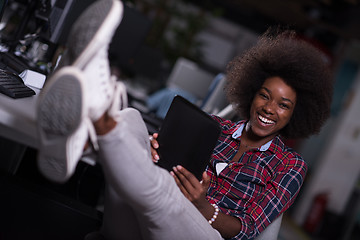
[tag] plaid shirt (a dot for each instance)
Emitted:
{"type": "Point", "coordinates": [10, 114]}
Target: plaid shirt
{"type": "Point", "coordinates": [258, 188]}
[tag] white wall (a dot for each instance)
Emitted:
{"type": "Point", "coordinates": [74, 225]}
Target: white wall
{"type": "Point", "coordinates": [338, 167]}
{"type": "Point", "coordinates": [223, 40]}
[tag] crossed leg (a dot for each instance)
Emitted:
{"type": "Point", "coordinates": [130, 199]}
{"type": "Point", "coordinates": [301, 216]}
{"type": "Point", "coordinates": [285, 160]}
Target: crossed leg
{"type": "Point", "coordinates": [161, 210]}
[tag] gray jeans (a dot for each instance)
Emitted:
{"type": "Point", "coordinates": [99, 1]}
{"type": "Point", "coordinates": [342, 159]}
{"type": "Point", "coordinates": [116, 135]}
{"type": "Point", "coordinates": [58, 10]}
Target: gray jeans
{"type": "Point", "coordinates": [143, 200]}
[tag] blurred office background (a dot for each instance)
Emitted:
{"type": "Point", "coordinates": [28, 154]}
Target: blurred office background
{"type": "Point", "coordinates": [167, 47]}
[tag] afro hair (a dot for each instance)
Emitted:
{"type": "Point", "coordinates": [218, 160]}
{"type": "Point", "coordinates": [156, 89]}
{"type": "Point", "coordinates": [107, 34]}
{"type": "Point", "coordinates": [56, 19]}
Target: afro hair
{"type": "Point", "coordinates": [299, 64]}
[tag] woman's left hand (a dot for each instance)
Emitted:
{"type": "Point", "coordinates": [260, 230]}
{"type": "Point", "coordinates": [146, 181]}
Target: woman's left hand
{"type": "Point", "coordinates": [190, 186]}
{"type": "Point", "coordinates": [228, 226]}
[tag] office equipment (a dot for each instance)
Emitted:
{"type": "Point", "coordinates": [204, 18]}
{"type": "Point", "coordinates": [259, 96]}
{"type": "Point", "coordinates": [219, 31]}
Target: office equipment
{"type": "Point", "coordinates": [12, 63]}
{"type": "Point", "coordinates": [58, 16]}
{"type": "Point", "coordinates": [187, 137]}
{"type": "Point", "coordinates": [55, 16]}
{"type": "Point", "coordinates": [33, 79]}
{"type": "Point", "coordinates": [18, 119]}
{"type": "Point", "coordinates": [2, 7]}
{"type": "Point", "coordinates": [13, 86]}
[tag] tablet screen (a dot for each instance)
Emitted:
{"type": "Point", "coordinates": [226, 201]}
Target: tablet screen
{"type": "Point", "coordinates": [187, 137]}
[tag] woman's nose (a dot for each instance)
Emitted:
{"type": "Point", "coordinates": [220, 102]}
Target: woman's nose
{"type": "Point", "coordinates": [269, 107]}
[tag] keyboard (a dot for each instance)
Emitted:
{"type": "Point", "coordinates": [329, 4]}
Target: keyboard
{"type": "Point", "coordinates": [12, 63]}
{"type": "Point", "coordinates": [13, 86]}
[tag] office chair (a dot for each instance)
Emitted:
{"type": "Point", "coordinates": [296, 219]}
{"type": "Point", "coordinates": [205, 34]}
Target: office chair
{"type": "Point", "coordinates": [215, 99]}
{"type": "Point", "coordinates": [190, 77]}
{"type": "Point", "coordinates": [186, 79]}
{"type": "Point", "coordinates": [272, 231]}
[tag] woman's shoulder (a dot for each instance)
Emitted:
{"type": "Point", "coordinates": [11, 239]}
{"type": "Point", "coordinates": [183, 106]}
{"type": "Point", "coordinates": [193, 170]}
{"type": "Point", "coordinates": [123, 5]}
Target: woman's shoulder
{"type": "Point", "coordinates": [288, 155]}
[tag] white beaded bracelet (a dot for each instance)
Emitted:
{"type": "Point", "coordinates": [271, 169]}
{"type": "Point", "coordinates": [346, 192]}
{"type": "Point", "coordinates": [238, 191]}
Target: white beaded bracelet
{"type": "Point", "coordinates": [216, 213]}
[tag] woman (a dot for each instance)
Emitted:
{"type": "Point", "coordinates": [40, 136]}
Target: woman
{"type": "Point", "coordinates": [280, 86]}
{"type": "Point", "coordinates": [283, 89]}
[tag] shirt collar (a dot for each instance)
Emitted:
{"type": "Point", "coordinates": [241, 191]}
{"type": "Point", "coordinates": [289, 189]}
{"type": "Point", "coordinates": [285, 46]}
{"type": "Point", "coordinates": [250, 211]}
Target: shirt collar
{"type": "Point", "coordinates": [237, 133]}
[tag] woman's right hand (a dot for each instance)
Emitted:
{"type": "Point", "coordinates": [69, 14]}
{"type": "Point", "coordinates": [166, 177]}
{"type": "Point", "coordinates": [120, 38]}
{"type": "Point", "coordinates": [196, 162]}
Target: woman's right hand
{"type": "Point", "coordinates": [154, 146]}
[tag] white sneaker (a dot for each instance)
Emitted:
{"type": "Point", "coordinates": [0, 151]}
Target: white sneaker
{"type": "Point", "coordinates": [61, 116]}
{"type": "Point", "coordinates": [90, 37]}
{"type": "Point", "coordinates": [79, 92]}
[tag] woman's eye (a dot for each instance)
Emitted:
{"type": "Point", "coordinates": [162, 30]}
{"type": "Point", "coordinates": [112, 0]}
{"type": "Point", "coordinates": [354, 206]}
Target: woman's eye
{"type": "Point", "coordinates": [283, 105]}
{"type": "Point", "coordinates": [263, 95]}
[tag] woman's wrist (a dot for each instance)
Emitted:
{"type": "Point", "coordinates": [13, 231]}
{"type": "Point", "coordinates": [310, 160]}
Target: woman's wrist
{"type": "Point", "coordinates": [215, 215]}
{"type": "Point", "coordinates": [208, 211]}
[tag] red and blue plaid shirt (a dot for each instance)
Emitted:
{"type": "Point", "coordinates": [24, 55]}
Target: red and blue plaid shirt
{"type": "Point", "coordinates": [257, 188]}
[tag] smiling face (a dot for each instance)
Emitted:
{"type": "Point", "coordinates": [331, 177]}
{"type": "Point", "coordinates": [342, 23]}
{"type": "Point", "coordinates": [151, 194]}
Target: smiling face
{"type": "Point", "coordinates": [271, 109]}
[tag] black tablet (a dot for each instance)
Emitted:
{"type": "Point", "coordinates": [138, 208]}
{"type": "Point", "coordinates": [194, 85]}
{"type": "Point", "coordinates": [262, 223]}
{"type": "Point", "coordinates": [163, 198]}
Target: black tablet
{"type": "Point", "coordinates": [187, 137]}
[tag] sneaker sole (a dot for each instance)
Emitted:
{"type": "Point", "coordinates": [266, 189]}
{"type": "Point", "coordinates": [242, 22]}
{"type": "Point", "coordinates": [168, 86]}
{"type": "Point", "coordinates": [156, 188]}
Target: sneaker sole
{"type": "Point", "coordinates": [60, 112]}
{"type": "Point", "coordinates": [105, 31]}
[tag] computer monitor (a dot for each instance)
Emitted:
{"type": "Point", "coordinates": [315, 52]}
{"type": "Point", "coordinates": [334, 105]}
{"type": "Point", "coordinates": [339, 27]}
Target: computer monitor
{"type": "Point", "coordinates": [58, 18]}
{"type": "Point", "coordinates": [2, 7]}
{"type": "Point", "coordinates": [29, 16]}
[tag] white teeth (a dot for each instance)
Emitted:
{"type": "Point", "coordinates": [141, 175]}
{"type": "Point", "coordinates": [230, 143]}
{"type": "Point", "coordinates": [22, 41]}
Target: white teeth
{"type": "Point", "coordinates": [265, 120]}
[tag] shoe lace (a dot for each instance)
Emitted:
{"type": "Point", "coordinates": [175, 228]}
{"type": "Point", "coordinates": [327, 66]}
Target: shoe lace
{"type": "Point", "coordinates": [92, 134]}
{"type": "Point", "coordinates": [120, 100]}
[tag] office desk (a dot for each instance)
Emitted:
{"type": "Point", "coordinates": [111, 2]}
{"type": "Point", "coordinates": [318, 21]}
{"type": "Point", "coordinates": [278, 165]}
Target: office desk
{"type": "Point", "coordinates": [17, 119]}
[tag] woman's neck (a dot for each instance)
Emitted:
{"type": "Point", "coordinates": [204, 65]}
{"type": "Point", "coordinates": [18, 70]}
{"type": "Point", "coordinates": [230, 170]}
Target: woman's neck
{"type": "Point", "coordinates": [251, 140]}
